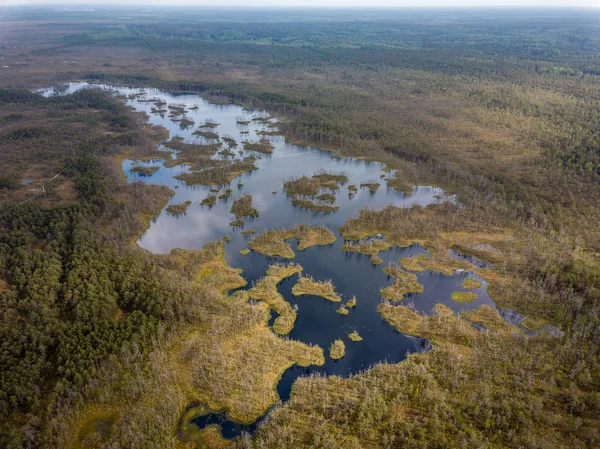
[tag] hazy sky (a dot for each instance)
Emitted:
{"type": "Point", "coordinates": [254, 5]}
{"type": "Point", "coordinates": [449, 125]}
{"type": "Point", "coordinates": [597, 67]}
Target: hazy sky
{"type": "Point", "coordinates": [321, 3]}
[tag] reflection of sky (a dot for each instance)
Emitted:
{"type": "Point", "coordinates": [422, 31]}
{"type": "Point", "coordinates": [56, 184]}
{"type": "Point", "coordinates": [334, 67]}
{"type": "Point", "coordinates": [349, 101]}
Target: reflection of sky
{"type": "Point", "coordinates": [201, 224]}
{"type": "Point", "coordinates": [352, 274]}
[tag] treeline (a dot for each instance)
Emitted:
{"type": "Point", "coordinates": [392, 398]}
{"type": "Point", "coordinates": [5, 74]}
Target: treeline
{"type": "Point", "coordinates": [75, 296]}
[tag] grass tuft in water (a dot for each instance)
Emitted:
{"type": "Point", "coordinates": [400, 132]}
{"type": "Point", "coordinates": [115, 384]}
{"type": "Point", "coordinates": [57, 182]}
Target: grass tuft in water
{"type": "Point", "coordinates": [178, 209]}
{"type": "Point", "coordinates": [354, 336]}
{"type": "Point", "coordinates": [337, 350]}
{"type": "Point", "coordinates": [463, 296]}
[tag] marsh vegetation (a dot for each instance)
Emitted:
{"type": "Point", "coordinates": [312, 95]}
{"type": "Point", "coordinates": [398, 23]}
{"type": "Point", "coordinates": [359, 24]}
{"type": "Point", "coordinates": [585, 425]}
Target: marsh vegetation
{"type": "Point", "coordinates": [242, 207]}
{"type": "Point", "coordinates": [144, 170]}
{"type": "Point", "coordinates": [178, 209]}
{"type": "Point", "coordinates": [501, 110]}
{"type": "Point", "coordinates": [273, 243]}
{"type": "Point", "coordinates": [337, 350]}
{"type": "Point", "coordinates": [403, 283]}
{"type": "Point", "coordinates": [309, 286]}
{"type": "Point", "coordinates": [463, 296]}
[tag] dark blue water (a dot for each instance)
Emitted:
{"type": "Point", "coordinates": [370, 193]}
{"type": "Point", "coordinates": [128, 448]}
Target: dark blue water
{"type": "Point", "coordinates": [352, 274]}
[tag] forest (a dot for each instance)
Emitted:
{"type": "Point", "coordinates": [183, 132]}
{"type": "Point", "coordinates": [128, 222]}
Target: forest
{"type": "Point", "coordinates": [499, 108]}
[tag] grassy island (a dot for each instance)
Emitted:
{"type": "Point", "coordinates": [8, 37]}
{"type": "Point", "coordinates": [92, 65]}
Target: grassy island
{"type": "Point", "coordinates": [423, 262]}
{"type": "Point", "coordinates": [371, 247]}
{"type": "Point", "coordinates": [376, 260]}
{"type": "Point", "coordinates": [405, 283]}
{"type": "Point", "coordinates": [326, 197]}
{"type": "Point", "coordinates": [242, 207]}
{"type": "Point", "coordinates": [210, 200]}
{"type": "Point", "coordinates": [144, 170]}
{"type": "Point", "coordinates": [178, 209]}
{"type": "Point", "coordinates": [208, 135]}
{"type": "Point", "coordinates": [219, 172]}
{"type": "Point", "coordinates": [463, 296]}
{"type": "Point", "coordinates": [273, 243]}
{"type": "Point", "coordinates": [354, 336]}
{"type": "Point", "coordinates": [306, 186]}
{"type": "Point", "coordinates": [342, 310]}
{"type": "Point", "coordinates": [324, 289]}
{"type": "Point", "coordinates": [262, 146]}
{"type": "Point", "coordinates": [337, 350]}
{"type": "Point", "coordinates": [372, 186]}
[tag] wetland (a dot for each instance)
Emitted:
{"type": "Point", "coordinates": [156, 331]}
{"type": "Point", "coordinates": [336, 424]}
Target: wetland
{"type": "Point", "coordinates": [331, 295]}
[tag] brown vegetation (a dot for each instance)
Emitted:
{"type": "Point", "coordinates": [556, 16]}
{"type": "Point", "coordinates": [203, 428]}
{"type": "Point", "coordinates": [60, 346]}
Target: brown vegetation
{"type": "Point", "coordinates": [242, 207]}
{"type": "Point", "coordinates": [309, 286]}
{"type": "Point", "coordinates": [266, 290]}
{"type": "Point", "coordinates": [337, 350]}
{"type": "Point", "coordinates": [403, 284]}
{"type": "Point", "coordinates": [263, 146]}
{"type": "Point", "coordinates": [310, 186]}
{"type": "Point", "coordinates": [178, 209]}
{"type": "Point", "coordinates": [272, 243]}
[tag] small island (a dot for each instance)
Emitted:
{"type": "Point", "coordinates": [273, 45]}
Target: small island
{"type": "Point", "coordinates": [337, 350]}
{"type": "Point", "coordinates": [178, 209]}
{"type": "Point", "coordinates": [309, 286]}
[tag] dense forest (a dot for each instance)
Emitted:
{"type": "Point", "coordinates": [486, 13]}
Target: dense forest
{"type": "Point", "coordinates": [498, 107]}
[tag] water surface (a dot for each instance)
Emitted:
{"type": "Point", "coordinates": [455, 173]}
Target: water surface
{"type": "Point", "coordinates": [352, 274]}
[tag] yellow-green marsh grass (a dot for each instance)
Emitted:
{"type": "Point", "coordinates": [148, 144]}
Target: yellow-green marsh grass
{"type": "Point", "coordinates": [308, 286]}
{"type": "Point", "coordinates": [337, 350]}
{"type": "Point", "coordinates": [272, 243]}
{"type": "Point", "coordinates": [189, 433]}
{"type": "Point", "coordinates": [178, 209]}
{"type": "Point", "coordinates": [244, 251]}
{"type": "Point", "coordinates": [144, 170]}
{"type": "Point", "coordinates": [248, 232]}
{"type": "Point", "coordinates": [354, 336]}
{"type": "Point", "coordinates": [94, 427]}
{"type": "Point", "coordinates": [533, 324]}
{"type": "Point", "coordinates": [376, 260]}
{"type": "Point", "coordinates": [471, 283]}
{"type": "Point", "coordinates": [443, 327]}
{"type": "Point", "coordinates": [371, 247]}
{"type": "Point", "coordinates": [404, 283]}
{"type": "Point", "coordinates": [463, 296]}
{"type": "Point", "coordinates": [233, 361]}
{"type": "Point", "coordinates": [490, 318]}
{"type": "Point", "coordinates": [266, 290]}
{"type": "Point", "coordinates": [351, 302]}
{"type": "Point", "coordinates": [343, 310]}
{"type": "Point", "coordinates": [446, 265]}
{"type": "Point", "coordinates": [308, 236]}
{"type": "Point", "coordinates": [306, 186]}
